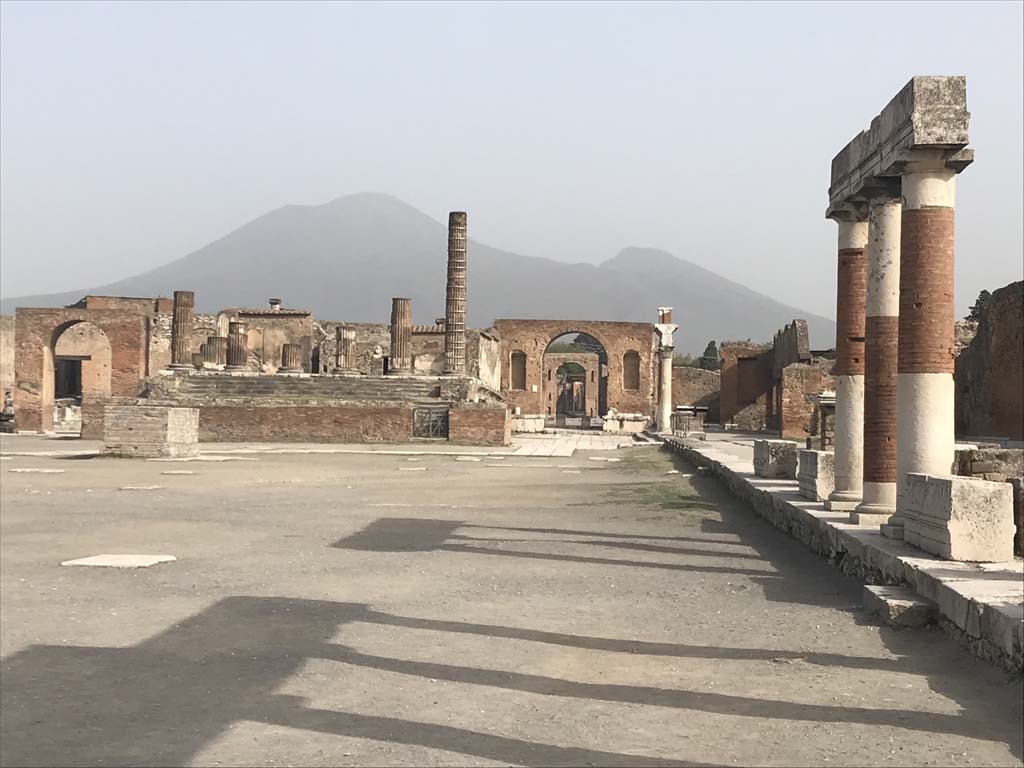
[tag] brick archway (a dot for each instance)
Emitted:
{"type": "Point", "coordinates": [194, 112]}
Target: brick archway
{"type": "Point", "coordinates": [533, 338]}
{"type": "Point", "coordinates": [36, 332]}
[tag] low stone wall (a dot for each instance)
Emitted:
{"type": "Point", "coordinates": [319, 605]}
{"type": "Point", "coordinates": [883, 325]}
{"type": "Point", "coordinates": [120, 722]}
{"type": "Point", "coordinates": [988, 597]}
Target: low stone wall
{"type": "Point", "coordinates": [971, 609]}
{"type": "Point", "coordinates": [999, 464]}
{"type": "Point", "coordinates": [150, 431]}
{"type": "Point", "coordinates": [528, 423]}
{"type": "Point", "coordinates": [816, 474]}
{"type": "Point", "coordinates": [478, 424]}
{"type": "Point", "coordinates": [775, 458]}
{"type": "Point", "coordinates": [304, 423]}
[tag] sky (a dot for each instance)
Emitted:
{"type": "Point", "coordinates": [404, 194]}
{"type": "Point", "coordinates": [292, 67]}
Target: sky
{"type": "Point", "coordinates": [134, 133]}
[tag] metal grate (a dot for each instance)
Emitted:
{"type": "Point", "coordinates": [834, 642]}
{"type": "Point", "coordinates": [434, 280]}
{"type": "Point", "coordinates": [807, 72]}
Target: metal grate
{"type": "Point", "coordinates": [430, 422]}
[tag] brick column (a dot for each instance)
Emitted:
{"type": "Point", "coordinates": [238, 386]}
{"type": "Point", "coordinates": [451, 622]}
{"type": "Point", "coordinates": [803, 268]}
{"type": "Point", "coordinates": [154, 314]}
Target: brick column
{"type": "Point", "coordinates": [217, 350]}
{"type": "Point", "coordinates": [344, 350]}
{"type": "Point", "coordinates": [238, 352]}
{"type": "Point", "coordinates": [924, 385]}
{"type": "Point", "coordinates": [181, 331]}
{"type": "Point", "coordinates": [849, 367]}
{"type": "Point", "coordinates": [400, 362]}
{"type": "Point", "coordinates": [880, 350]}
{"type": "Point", "coordinates": [291, 358]}
{"type": "Point", "coordinates": [455, 298]}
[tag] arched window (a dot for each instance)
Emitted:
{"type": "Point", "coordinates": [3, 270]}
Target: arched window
{"type": "Point", "coordinates": [518, 370]}
{"type": "Point", "coordinates": [631, 371]}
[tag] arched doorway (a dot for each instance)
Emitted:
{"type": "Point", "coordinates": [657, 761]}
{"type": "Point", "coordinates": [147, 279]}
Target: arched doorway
{"type": "Point", "coordinates": [76, 370]}
{"type": "Point", "coordinates": [575, 381]}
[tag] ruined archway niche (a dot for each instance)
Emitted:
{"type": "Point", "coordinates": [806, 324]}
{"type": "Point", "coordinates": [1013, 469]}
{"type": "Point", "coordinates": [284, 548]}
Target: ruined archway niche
{"type": "Point", "coordinates": [85, 347]}
{"type": "Point", "coordinates": [631, 371]}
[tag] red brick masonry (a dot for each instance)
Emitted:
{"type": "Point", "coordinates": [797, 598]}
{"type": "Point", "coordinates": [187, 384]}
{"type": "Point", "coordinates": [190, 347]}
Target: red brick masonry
{"type": "Point", "coordinates": [852, 281]}
{"type": "Point", "coordinates": [926, 291]}
{"type": "Point", "coordinates": [880, 400]}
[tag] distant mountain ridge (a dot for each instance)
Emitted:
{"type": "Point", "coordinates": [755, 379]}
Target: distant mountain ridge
{"type": "Point", "coordinates": [345, 259]}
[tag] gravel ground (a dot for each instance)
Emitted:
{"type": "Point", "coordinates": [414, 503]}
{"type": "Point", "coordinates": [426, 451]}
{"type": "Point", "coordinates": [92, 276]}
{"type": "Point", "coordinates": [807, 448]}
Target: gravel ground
{"type": "Point", "coordinates": [334, 610]}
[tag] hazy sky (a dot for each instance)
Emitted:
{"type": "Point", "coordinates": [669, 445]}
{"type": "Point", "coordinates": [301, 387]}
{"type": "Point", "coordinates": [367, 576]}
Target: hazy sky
{"type": "Point", "coordinates": [134, 133]}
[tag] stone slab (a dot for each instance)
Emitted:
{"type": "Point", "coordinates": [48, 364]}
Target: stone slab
{"type": "Point", "coordinates": [121, 561]}
{"type": "Point", "coordinates": [899, 606]}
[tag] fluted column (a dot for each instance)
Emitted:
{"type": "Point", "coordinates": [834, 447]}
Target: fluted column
{"type": "Point", "coordinates": [238, 352]}
{"type": "Point", "coordinates": [216, 350]}
{"type": "Point", "coordinates": [455, 298]}
{"type": "Point", "coordinates": [181, 330]}
{"type": "Point", "coordinates": [344, 350]}
{"type": "Point", "coordinates": [291, 358]}
{"type": "Point", "coordinates": [924, 384]}
{"type": "Point", "coordinates": [849, 368]}
{"type": "Point", "coordinates": [880, 354]}
{"type": "Point", "coordinates": [400, 362]}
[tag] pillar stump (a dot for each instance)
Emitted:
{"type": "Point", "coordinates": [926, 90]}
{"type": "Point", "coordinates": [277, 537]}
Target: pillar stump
{"type": "Point", "coordinates": [181, 331]}
{"type": "Point", "coordinates": [237, 351]}
{"type": "Point", "coordinates": [400, 362]}
{"type": "Point", "coordinates": [291, 358]}
{"type": "Point", "coordinates": [455, 296]}
{"type": "Point", "coordinates": [216, 351]}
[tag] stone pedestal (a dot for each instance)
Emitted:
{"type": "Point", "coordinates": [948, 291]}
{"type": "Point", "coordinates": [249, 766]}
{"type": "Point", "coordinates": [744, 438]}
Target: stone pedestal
{"type": "Point", "coordinates": [959, 518]}
{"type": "Point", "coordinates": [775, 458]}
{"type": "Point", "coordinates": [181, 331]}
{"type": "Point", "coordinates": [455, 296]}
{"type": "Point", "coordinates": [400, 362]}
{"type": "Point", "coordinates": [816, 474]}
{"type": "Point", "coordinates": [238, 351]}
{"type": "Point", "coordinates": [150, 431]}
{"type": "Point", "coordinates": [291, 358]}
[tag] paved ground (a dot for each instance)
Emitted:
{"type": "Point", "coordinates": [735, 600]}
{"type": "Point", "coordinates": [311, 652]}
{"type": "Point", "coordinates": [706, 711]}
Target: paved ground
{"type": "Point", "coordinates": [334, 609]}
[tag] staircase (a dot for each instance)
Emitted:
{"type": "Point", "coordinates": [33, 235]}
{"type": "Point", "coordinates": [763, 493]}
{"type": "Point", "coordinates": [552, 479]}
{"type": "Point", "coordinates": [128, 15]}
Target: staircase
{"type": "Point", "coordinates": [354, 388]}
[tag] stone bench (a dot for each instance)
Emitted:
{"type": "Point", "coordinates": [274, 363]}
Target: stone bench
{"type": "Point", "coordinates": [150, 431]}
{"type": "Point", "coordinates": [775, 458]}
{"type": "Point", "coordinates": [816, 474]}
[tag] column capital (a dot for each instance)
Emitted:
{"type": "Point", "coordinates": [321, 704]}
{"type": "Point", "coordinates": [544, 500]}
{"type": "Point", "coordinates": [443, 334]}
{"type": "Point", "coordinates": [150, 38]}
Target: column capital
{"type": "Point", "coordinates": [849, 212]}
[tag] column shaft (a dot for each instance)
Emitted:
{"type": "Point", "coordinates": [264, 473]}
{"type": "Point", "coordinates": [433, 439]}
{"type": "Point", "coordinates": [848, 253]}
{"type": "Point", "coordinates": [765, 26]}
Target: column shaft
{"type": "Point", "coordinates": [217, 350]}
{"type": "Point", "coordinates": [849, 368]}
{"type": "Point", "coordinates": [664, 421]}
{"type": "Point", "coordinates": [345, 341]}
{"type": "Point", "coordinates": [455, 298]}
{"type": "Point", "coordinates": [238, 352]}
{"type": "Point", "coordinates": [924, 388]}
{"type": "Point", "coordinates": [291, 358]}
{"type": "Point", "coordinates": [880, 352]}
{"type": "Point", "coordinates": [401, 337]}
{"type": "Point", "coordinates": [181, 330]}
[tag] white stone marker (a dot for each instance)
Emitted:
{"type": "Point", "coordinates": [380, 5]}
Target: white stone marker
{"type": "Point", "coordinates": [121, 561]}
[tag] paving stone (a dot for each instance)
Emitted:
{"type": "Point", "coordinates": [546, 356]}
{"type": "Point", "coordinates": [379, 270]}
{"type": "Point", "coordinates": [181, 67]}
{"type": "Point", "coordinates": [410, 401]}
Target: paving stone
{"type": "Point", "coordinates": [121, 561]}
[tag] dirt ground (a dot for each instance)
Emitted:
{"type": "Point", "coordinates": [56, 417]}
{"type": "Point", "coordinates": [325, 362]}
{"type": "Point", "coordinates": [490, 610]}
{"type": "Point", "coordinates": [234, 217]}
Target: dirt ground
{"type": "Point", "coordinates": [377, 610]}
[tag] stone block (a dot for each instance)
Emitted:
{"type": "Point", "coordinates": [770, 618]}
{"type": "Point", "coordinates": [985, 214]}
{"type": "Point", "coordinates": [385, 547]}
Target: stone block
{"type": "Point", "coordinates": [150, 431]}
{"type": "Point", "coordinates": [959, 518]}
{"type": "Point", "coordinates": [776, 458]}
{"type": "Point", "coordinates": [899, 606]}
{"type": "Point", "coordinates": [528, 423]}
{"type": "Point", "coordinates": [816, 474]}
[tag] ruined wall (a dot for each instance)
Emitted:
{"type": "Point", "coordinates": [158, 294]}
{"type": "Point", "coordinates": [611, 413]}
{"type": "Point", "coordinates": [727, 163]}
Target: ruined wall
{"type": "Point", "coordinates": [790, 346]}
{"type": "Point", "coordinates": [478, 424]}
{"type": "Point", "coordinates": [695, 386]}
{"type": "Point", "coordinates": [532, 338]}
{"type": "Point", "coordinates": [733, 396]}
{"type": "Point", "coordinates": [591, 369]}
{"type": "Point", "coordinates": [483, 358]}
{"type": "Point", "coordinates": [989, 371]}
{"type": "Point", "coordinates": [6, 355]}
{"type": "Point", "coordinates": [798, 383]}
{"type": "Point", "coordinates": [267, 331]}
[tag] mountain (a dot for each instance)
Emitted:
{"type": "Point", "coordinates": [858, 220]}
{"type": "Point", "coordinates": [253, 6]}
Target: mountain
{"type": "Point", "coordinates": [346, 259]}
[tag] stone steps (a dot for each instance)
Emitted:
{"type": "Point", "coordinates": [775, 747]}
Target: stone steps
{"type": "Point", "coordinates": [376, 388]}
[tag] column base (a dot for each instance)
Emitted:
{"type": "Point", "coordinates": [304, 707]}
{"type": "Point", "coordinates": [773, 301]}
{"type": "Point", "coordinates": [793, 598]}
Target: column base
{"type": "Point", "coordinates": [893, 530]}
{"type": "Point", "coordinates": [235, 367]}
{"type": "Point", "coordinates": [863, 516]}
{"type": "Point", "coordinates": [289, 370]}
{"type": "Point", "coordinates": [181, 367]}
{"type": "Point", "coordinates": [843, 501]}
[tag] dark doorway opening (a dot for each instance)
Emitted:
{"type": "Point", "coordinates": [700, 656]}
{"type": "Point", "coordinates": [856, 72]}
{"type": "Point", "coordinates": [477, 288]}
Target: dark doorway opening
{"type": "Point", "coordinates": [67, 379]}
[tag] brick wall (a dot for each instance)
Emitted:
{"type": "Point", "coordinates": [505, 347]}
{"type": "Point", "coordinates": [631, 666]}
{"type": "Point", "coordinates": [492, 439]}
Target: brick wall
{"type": "Point", "coordinates": [591, 369]}
{"type": "Point", "coordinates": [474, 424]}
{"type": "Point", "coordinates": [6, 356]}
{"type": "Point", "coordinates": [798, 382]}
{"type": "Point", "coordinates": [695, 386]}
{"type": "Point", "coordinates": [335, 423]}
{"type": "Point", "coordinates": [730, 352]}
{"type": "Point", "coordinates": [990, 370]}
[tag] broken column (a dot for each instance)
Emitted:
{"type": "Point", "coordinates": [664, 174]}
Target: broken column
{"type": "Point", "coordinates": [880, 351]}
{"type": "Point", "coordinates": [400, 362]}
{"type": "Point", "coordinates": [238, 352]}
{"type": "Point", "coordinates": [849, 368]}
{"type": "Point", "coordinates": [181, 331]}
{"type": "Point", "coordinates": [455, 296]}
{"type": "Point", "coordinates": [344, 350]}
{"type": "Point", "coordinates": [291, 358]}
{"type": "Point", "coordinates": [664, 328]}
{"type": "Point", "coordinates": [216, 350]}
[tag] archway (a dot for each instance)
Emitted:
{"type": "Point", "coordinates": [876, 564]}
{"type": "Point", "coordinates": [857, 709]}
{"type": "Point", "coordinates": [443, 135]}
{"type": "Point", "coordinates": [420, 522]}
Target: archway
{"type": "Point", "coordinates": [77, 370]}
{"type": "Point", "coordinates": [574, 381]}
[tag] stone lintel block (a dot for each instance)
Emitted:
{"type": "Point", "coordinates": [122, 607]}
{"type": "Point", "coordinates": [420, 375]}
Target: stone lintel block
{"type": "Point", "coordinates": [776, 458]}
{"type": "Point", "coordinates": [899, 606]}
{"type": "Point", "coordinates": [929, 113]}
{"type": "Point", "coordinates": [959, 518]}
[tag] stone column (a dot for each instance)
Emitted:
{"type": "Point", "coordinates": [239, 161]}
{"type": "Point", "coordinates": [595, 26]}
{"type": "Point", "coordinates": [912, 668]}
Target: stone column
{"type": "Point", "coordinates": [455, 298]}
{"type": "Point", "coordinates": [181, 331]}
{"type": "Point", "coordinates": [291, 358]}
{"type": "Point", "coordinates": [238, 352]}
{"type": "Point", "coordinates": [197, 360]}
{"type": "Point", "coordinates": [400, 362]}
{"type": "Point", "coordinates": [880, 352]}
{"type": "Point", "coordinates": [217, 350]}
{"type": "Point", "coordinates": [664, 421]}
{"type": "Point", "coordinates": [344, 350]}
{"type": "Point", "coordinates": [924, 384]}
{"type": "Point", "coordinates": [849, 367]}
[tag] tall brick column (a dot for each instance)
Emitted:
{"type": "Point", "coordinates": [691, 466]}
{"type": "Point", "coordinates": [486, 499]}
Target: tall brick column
{"type": "Point", "coordinates": [181, 331]}
{"type": "Point", "coordinates": [849, 367]}
{"type": "Point", "coordinates": [291, 358]}
{"type": "Point", "coordinates": [344, 350]}
{"type": "Point", "coordinates": [455, 296]}
{"type": "Point", "coordinates": [238, 351]}
{"type": "Point", "coordinates": [400, 362]}
{"type": "Point", "coordinates": [880, 351]}
{"type": "Point", "coordinates": [217, 350]}
{"type": "Point", "coordinates": [924, 386]}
